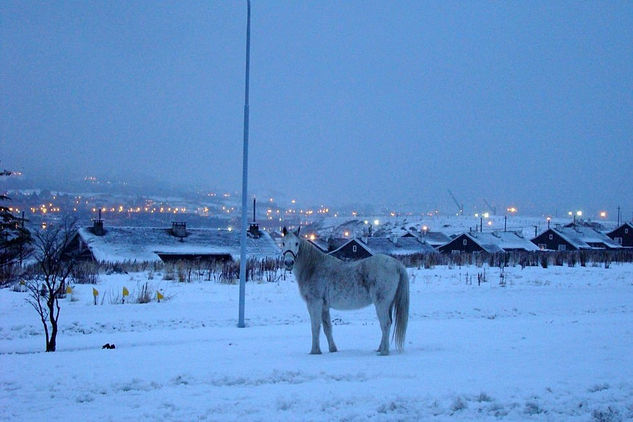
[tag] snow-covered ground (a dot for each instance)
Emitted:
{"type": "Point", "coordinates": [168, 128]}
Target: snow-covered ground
{"type": "Point", "coordinates": [554, 344]}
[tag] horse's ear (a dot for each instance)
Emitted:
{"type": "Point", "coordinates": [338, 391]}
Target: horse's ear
{"type": "Point", "coordinates": [284, 231]}
{"type": "Point", "coordinates": [298, 230]}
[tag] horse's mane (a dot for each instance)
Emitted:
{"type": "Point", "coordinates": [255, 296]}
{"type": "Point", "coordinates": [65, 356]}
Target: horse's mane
{"type": "Point", "coordinates": [309, 253]}
{"type": "Point", "coordinates": [310, 256]}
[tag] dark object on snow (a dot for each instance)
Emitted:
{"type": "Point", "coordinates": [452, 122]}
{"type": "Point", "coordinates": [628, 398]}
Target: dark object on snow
{"type": "Point", "coordinates": [108, 346]}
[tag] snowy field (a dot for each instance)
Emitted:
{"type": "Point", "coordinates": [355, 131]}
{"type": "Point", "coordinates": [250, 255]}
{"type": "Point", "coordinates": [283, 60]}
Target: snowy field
{"type": "Point", "coordinates": [553, 344]}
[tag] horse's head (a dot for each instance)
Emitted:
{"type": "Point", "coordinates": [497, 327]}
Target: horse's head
{"type": "Point", "coordinates": [290, 248]}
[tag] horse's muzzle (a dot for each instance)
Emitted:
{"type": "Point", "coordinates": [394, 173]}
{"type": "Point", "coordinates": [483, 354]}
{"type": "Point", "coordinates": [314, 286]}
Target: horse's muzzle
{"type": "Point", "coordinates": [289, 259]}
{"type": "Point", "coordinates": [289, 263]}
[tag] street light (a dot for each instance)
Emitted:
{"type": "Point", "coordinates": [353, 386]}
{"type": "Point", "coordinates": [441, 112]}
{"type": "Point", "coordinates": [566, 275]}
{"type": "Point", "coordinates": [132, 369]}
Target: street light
{"type": "Point", "coordinates": [510, 210]}
{"type": "Point", "coordinates": [576, 214]}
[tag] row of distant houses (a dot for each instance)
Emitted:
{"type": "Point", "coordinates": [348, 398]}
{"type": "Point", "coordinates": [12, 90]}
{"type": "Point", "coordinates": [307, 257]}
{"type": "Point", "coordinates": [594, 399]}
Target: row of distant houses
{"type": "Point", "coordinates": [573, 237]}
{"type": "Point", "coordinates": [121, 244]}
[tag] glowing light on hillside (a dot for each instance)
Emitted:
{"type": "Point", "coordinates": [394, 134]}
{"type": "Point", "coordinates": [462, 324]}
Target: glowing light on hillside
{"type": "Point", "coordinates": [579, 213]}
{"type": "Point", "coordinates": [312, 236]}
{"type": "Point", "coordinates": [376, 222]}
{"type": "Point", "coordinates": [346, 234]}
{"type": "Point", "coordinates": [511, 210]}
{"type": "Point", "coordinates": [603, 214]}
{"type": "Point", "coordinates": [425, 228]}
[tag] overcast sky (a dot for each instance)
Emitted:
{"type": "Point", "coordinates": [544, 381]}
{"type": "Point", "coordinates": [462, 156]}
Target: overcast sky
{"type": "Point", "coordinates": [521, 103]}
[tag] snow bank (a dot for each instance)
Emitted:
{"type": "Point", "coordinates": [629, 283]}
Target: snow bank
{"type": "Point", "coordinates": [554, 344]}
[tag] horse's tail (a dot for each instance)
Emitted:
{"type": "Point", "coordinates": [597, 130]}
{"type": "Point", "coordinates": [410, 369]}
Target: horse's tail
{"type": "Point", "coordinates": [401, 309]}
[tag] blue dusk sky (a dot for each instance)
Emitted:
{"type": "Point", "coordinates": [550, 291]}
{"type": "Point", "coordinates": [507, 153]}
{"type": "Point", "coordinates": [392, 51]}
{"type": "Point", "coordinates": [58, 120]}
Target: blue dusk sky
{"type": "Point", "coordinates": [528, 104]}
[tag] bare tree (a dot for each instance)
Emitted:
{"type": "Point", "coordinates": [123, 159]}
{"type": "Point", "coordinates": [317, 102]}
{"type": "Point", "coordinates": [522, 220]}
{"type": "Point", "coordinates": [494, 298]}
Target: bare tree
{"type": "Point", "coordinates": [53, 267]}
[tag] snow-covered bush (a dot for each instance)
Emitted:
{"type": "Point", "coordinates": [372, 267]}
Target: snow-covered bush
{"type": "Point", "coordinates": [144, 294]}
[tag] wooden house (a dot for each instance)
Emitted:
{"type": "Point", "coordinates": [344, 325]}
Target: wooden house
{"type": "Point", "coordinates": [467, 243]}
{"type": "Point", "coordinates": [488, 242]}
{"type": "Point", "coordinates": [359, 248]}
{"type": "Point", "coordinates": [623, 235]}
{"type": "Point", "coordinates": [573, 238]}
{"type": "Point", "coordinates": [352, 250]}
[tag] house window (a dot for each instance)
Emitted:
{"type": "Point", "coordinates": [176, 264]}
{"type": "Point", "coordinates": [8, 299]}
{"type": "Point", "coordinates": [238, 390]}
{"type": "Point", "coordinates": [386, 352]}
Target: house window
{"type": "Point", "coordinates": [465, 242]}
{"type": "Point", "coordinates": [542, 246]}
{"type": "Point", "coordinates": [626, 231]}
{"type": "Point", "coordinates": [618, 240]}
{"type": "Point", "coordinates": [551, 236]}
{"type": "Point", "coordinates": [562, 247]}
{"type": "Point", "coordinates": [354, 248]}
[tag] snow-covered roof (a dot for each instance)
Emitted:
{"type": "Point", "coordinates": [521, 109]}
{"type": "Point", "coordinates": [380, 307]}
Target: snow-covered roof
{"type": "Point", "coordinates": [398, 246]}
{"type": "Point", "coordinates": [506, 241]}
{"type": "Point", "coordinates": [435, 238]}
{"type": "Point", "coordinates": [145, 243]}
{"type": "Point", "coordinates": [582, 237]}
{"type": "Point", "coordinates": [320, 243]}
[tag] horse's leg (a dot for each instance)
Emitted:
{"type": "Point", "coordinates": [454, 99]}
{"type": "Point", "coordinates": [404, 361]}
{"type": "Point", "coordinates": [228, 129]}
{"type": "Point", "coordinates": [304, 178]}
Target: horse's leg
{"type": "Point", "coordinates": [315, 309]}
{"type": "Point", "coordinates": [327, 328]}
{"type": "Point", "coordinates": [382, 310]}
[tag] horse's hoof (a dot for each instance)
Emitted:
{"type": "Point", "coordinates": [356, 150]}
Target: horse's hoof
{"type": "Point", "coordinates": [333, 349]}
{"type": "Point", "coordinates": [315, 352]}
{"type": "Point", "coordinates": [383, 352]}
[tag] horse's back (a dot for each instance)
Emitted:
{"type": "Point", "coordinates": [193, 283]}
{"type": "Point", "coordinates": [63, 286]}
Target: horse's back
{"type": "Point", "coordinates": [383, 265]}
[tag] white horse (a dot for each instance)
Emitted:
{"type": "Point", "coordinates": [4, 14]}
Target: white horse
{"type": "Point", "coordinates": [326, 282]}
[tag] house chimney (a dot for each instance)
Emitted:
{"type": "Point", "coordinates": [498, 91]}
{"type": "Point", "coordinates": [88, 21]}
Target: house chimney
{"type": "Point", "coordinates": [253, 228]}
{"type": "Point", "coordinates": [97, 226]}
{"type": "Point", "coordinates": [179, 229]}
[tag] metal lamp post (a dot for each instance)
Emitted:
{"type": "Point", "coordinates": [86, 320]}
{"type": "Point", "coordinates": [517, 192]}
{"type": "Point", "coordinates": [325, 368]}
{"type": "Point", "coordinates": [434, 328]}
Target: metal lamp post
{"type": "Point", "coordinates": [240, 322]}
